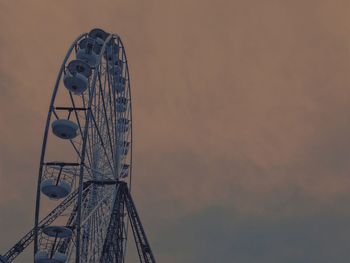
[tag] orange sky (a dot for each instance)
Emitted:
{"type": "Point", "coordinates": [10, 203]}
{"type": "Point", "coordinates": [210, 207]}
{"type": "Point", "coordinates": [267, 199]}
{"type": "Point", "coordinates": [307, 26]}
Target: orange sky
{"type": "Point", "coordinates": [241, 123]}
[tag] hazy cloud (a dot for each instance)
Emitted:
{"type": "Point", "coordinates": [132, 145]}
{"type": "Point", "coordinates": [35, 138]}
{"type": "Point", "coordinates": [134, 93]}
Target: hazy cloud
{"type": "Point", "coordinates": [240, 116]}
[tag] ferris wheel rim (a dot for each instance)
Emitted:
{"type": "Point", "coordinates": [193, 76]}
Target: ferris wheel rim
{"type": "Point", "coordinates": [84, 137]}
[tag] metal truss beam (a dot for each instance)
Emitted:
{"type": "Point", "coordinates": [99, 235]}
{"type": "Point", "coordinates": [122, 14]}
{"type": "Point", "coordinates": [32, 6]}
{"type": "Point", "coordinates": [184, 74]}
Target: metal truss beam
{"type": "Point", "coordinates": [142, 244]}
{"type": "Point", "coordinates": [113, 247]}
{"type": "Point", "coordinates": [114, 244]}
{"type": "Point", "coordinates": [25, 241]}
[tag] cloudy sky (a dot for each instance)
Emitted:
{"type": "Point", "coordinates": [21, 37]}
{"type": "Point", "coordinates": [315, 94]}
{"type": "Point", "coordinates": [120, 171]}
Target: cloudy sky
{"type": "Point", "coordinates": [241, 121]}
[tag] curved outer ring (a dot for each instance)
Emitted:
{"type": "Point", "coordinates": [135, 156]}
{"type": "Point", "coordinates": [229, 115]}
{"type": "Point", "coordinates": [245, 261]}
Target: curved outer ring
{"type": "Point", "coordinates": [43, 150]}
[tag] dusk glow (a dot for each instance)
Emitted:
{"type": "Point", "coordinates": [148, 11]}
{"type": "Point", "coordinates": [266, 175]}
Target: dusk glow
{"type": "Point", "coordinates": [240, 122]}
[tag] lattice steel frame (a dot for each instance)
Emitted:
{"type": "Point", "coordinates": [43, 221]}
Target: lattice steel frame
{"type": "Point", "coordinates": [114, 245]}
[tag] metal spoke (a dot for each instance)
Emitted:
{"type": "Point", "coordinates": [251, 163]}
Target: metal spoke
{"type": "Point", "coordinates": [111, 144]}
{"type": "Point", "coordinates": [102, 143]}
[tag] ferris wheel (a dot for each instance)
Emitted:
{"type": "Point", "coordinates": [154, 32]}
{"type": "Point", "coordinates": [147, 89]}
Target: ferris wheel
{"type": "Point", "coordinates": [83, 203]}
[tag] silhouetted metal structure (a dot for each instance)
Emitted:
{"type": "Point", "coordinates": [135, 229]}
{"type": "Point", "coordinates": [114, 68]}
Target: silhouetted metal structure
{"type": "Point", "coordinates": [90, 112]}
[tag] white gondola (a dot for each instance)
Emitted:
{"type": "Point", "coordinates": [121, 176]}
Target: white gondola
{"type": "Point", "coordinates": [112, 53]}
{"type": "Point", "coordinates": [79, 66]}
{"type": "Point", "coordinates": [123, 125]}
{"type": "Point", "coordinates": [119, 84]}
{"type": "Point", "coordinates": [89, 50]}
{"type": "Point", "coordinates": [123, 147]}
{"type": "Point", "coordinates": [43, 257]}
{"type": "Point", "coordinates": [75, 83]}
{"type": "Point", "coordinates": [115, 64]}
{"type": "Point", "coordinates": [115, 70]}
{"type": "Point", "coordinates": [121, 104]}
{"type": "Point", "coordinates": [60, 257]}
{"type": "Point", "coordinates": [98, 33]}
{"type": "Point", "coordinates": [124, 171]}
{"type": "Point", "coordinates": [55, 191]}
{"type": "Point", "coordinates": [76, 77]}
{"type": "Point", "coordinates": [58, 231]}
{"type": "Point", "coordinates": [64, 129]}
